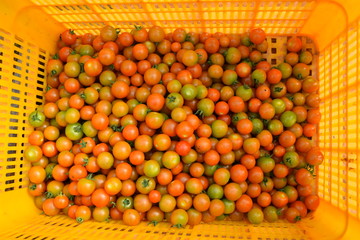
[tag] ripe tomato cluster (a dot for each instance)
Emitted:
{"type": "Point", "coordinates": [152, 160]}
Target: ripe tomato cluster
{"type": "Point", "coordinates": [183, 127]}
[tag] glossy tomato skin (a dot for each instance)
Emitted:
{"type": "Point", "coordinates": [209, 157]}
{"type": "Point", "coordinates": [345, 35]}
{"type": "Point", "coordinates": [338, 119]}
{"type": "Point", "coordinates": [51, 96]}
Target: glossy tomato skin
{"type": "Point", "coordinates": [131, 217]}
{"type": "Point", "coordinates": [49, 208]}
{"type": "Point", "coordinates": [257, 36]}
{"type": "Point", "coordinates": [36, 119]}
{"type": "Point", "coordinates": [294, 44]}
{"type": "Point", "coordinates": [68, 37]}
{"type": "Point", "coordinates": [180, 126]}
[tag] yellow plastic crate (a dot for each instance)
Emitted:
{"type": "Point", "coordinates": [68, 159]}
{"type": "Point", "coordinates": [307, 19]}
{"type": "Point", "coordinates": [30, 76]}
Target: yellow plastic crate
{"type": "Point", "coordinates": [331, 29]}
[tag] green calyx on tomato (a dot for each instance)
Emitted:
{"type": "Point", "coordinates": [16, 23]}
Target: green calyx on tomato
{"type": "Point", "coordinates": [153, 223]}
{"type": "Point", "coordinates": [116, 128]}
{"type": "Point", "coordinates": [205, 107]}
{"type": "Point", "coordinates": [145, 184]}
{"type": "Point", "coordinates": [124, 203]}
{"type": "Point", "coordinates": [74, 131]}
{"type": "Point", "coordinates": [86, 162]}
{"type": "Point", "coordinates": [82, 144]}
{"type": "Point", "coordinates": [49, 195]}
{"type": "Point", "coordinates": [258, 76]}
{"type": "Point", "coordinates": [56, 56]}
{"type": "Point", "coordinates": [36, 118]}
{"type": "Point", "coordinates": [174, 100]}
{"type": "Point", "coordinates": [49, 168]}
{"type": "Point", "coordinates": [178, 225]}
{"type": "Point", "coordinates": [278, 89]}
{"type": "Point", "coordinates": [138, 27]}
{"type": "Point", "coordinates": [291, 159]}
{"type": "Point", "coordinates": [90, 176]}
{"type": "Point", "coordinates": [311, 169]}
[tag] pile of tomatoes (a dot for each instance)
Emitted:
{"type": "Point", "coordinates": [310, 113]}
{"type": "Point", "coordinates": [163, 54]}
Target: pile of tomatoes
{"type": "Point", "coordinates": [183, 127]}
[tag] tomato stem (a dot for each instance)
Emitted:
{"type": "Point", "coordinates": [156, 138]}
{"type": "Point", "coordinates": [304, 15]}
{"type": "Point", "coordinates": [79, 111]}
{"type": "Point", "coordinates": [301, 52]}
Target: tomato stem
{"type": "Point", "coordinates": [82, 144]}
{"type": "Point", "coordinates": [199, 113]}
{"type": "Point", "coordinates": [126, 202]}
{"type": "Point", "coordinates": [145, 183]}
{"type": "Point", "coordinates": [35, 117]}
{"type": "Point", "coordinates": [178, 225]}
{"type": "Point", "coordinates": [311, 169]}
{"type": "Point", "coordinates": [290, 98]}
{"type": "Point", "coordinates": [48, 176]}
{"type": "Point", "coordinates": [246, 86]}
{"type": "Point", "coordinates": [153, 223]}
{"type": "Point", "coordinates": [78, 128]}
{"type": "Point", "coordinates": [171, 98]}
{"type": "Point", "coordinates": [116, 128]}
{"type": "Point", "coordinates": [49, 195]}
{"type": "Point", "coordinates": [53, 72]}
{"type": "Point", "coordinates": [131, 143]}
{"type": "Point", "coordinates": [265, 180]}
{"type": "Point", "coordinates": [278, 89]}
